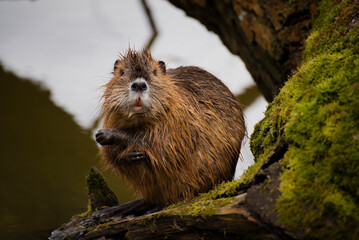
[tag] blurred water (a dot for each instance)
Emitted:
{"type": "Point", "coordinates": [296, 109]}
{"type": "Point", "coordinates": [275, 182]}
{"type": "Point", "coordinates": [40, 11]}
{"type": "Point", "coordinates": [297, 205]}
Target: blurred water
{"type": "Point", "coordinates": [61, 52]}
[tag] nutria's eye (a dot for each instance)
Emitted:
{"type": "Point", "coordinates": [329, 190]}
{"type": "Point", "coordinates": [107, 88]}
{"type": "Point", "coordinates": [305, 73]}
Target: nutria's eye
{"type": "Point", "coordinates": [121, 72]}
{"type": "Point", "coordinates": [155, 72]}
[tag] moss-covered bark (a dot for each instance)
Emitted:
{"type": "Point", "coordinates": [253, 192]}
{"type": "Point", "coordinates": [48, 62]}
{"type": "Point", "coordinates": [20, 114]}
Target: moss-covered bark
{"type": "Point", "coordinates": [99, 193]}
{"type": "Point", "coordinates": [317, 112]}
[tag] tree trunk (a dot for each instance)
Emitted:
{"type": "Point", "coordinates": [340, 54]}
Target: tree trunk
{"type": "Point", "coordinates": [268, 35]}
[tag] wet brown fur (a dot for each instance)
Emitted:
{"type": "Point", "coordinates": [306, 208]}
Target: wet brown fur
{"type": "Point", "coordinates": [192, 134]}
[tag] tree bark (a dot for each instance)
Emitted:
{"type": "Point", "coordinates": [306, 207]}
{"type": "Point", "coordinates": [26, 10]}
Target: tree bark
{"type": "Point", "coordinates": [231, 222]}
{"type": "Point", "coordinates": [267, 35]}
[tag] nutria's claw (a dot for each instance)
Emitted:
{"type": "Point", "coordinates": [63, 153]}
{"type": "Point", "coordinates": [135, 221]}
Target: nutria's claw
{"type": "Point", "coordinates": [105, 137]}
{"type": "Point", "coordinates": [136, 156]}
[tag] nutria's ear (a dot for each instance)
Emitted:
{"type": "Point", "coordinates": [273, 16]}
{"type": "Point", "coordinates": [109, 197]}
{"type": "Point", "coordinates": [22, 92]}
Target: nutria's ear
{"type": "Point", "coordinates": [115, 65]}
{"type": "Point", "coordinates": [162, 66]}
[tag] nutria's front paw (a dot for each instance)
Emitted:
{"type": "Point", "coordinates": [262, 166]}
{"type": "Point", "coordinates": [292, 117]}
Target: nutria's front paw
{"type": "Point", "coordinates": [105, 137]}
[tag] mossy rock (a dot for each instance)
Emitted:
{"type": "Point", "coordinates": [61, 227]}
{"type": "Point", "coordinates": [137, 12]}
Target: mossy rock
{"type": "Point", "coordinates": [317, 112]}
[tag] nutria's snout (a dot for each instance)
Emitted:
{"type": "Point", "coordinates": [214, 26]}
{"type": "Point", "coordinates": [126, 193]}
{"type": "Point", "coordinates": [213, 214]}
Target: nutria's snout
{"type": "Point", "coordinates": [139, 96]}
{"type": "Point", "coordinates": [138, 86]}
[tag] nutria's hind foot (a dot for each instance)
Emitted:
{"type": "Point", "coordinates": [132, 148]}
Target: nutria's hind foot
{"type": "Point", "coordinates": [134, 208]}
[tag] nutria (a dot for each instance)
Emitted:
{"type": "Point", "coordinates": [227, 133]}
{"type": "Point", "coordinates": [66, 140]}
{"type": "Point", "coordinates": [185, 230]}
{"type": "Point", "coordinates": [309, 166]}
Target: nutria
{"type": "Point", "coordinates": [171, 134]}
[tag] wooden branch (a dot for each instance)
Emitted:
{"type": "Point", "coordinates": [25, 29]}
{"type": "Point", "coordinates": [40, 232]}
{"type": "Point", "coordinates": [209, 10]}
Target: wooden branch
{"type": "Point", "coordinates": [232, 221]}
{"type": "Point", "coordinates": [152, 24]}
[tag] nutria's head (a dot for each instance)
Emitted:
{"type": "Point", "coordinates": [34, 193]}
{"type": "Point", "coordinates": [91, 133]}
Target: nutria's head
{"type": "Point", "coordinates": [137, 88]}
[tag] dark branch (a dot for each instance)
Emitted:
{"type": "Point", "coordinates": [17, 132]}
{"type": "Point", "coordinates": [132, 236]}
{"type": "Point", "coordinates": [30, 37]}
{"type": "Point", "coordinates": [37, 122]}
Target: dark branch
{"type": "Point", "coordinates": [152, 24]}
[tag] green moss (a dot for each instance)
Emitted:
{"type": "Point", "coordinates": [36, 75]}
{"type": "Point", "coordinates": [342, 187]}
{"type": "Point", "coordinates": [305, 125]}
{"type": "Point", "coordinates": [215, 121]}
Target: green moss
{"type": "Point", "coordinates": [106, 225]}
{"type": "Point", "coordinates": [149, 222]}
{"type": "Point", "coordinates": [84, 214]}
{"type": "Point", "coordinates": [99, 193]}
{"type": "Point", "coordinates": [317, 112]}
{"type": "Point", "coordinates": [207, 204]}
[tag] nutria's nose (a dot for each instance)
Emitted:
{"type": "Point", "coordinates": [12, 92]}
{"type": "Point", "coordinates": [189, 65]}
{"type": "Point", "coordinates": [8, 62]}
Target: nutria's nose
{"type": "Point", "coordinates": [138, 86]}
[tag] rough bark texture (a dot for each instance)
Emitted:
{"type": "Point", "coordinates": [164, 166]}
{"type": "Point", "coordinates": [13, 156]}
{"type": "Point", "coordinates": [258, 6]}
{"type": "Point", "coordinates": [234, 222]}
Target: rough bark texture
{"type": "Point", "coordinates": [317, 113]}
{"type": "Point", "coordinates": [233, 221]}
{"type": "Point", "coordinates": [268, 35]}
